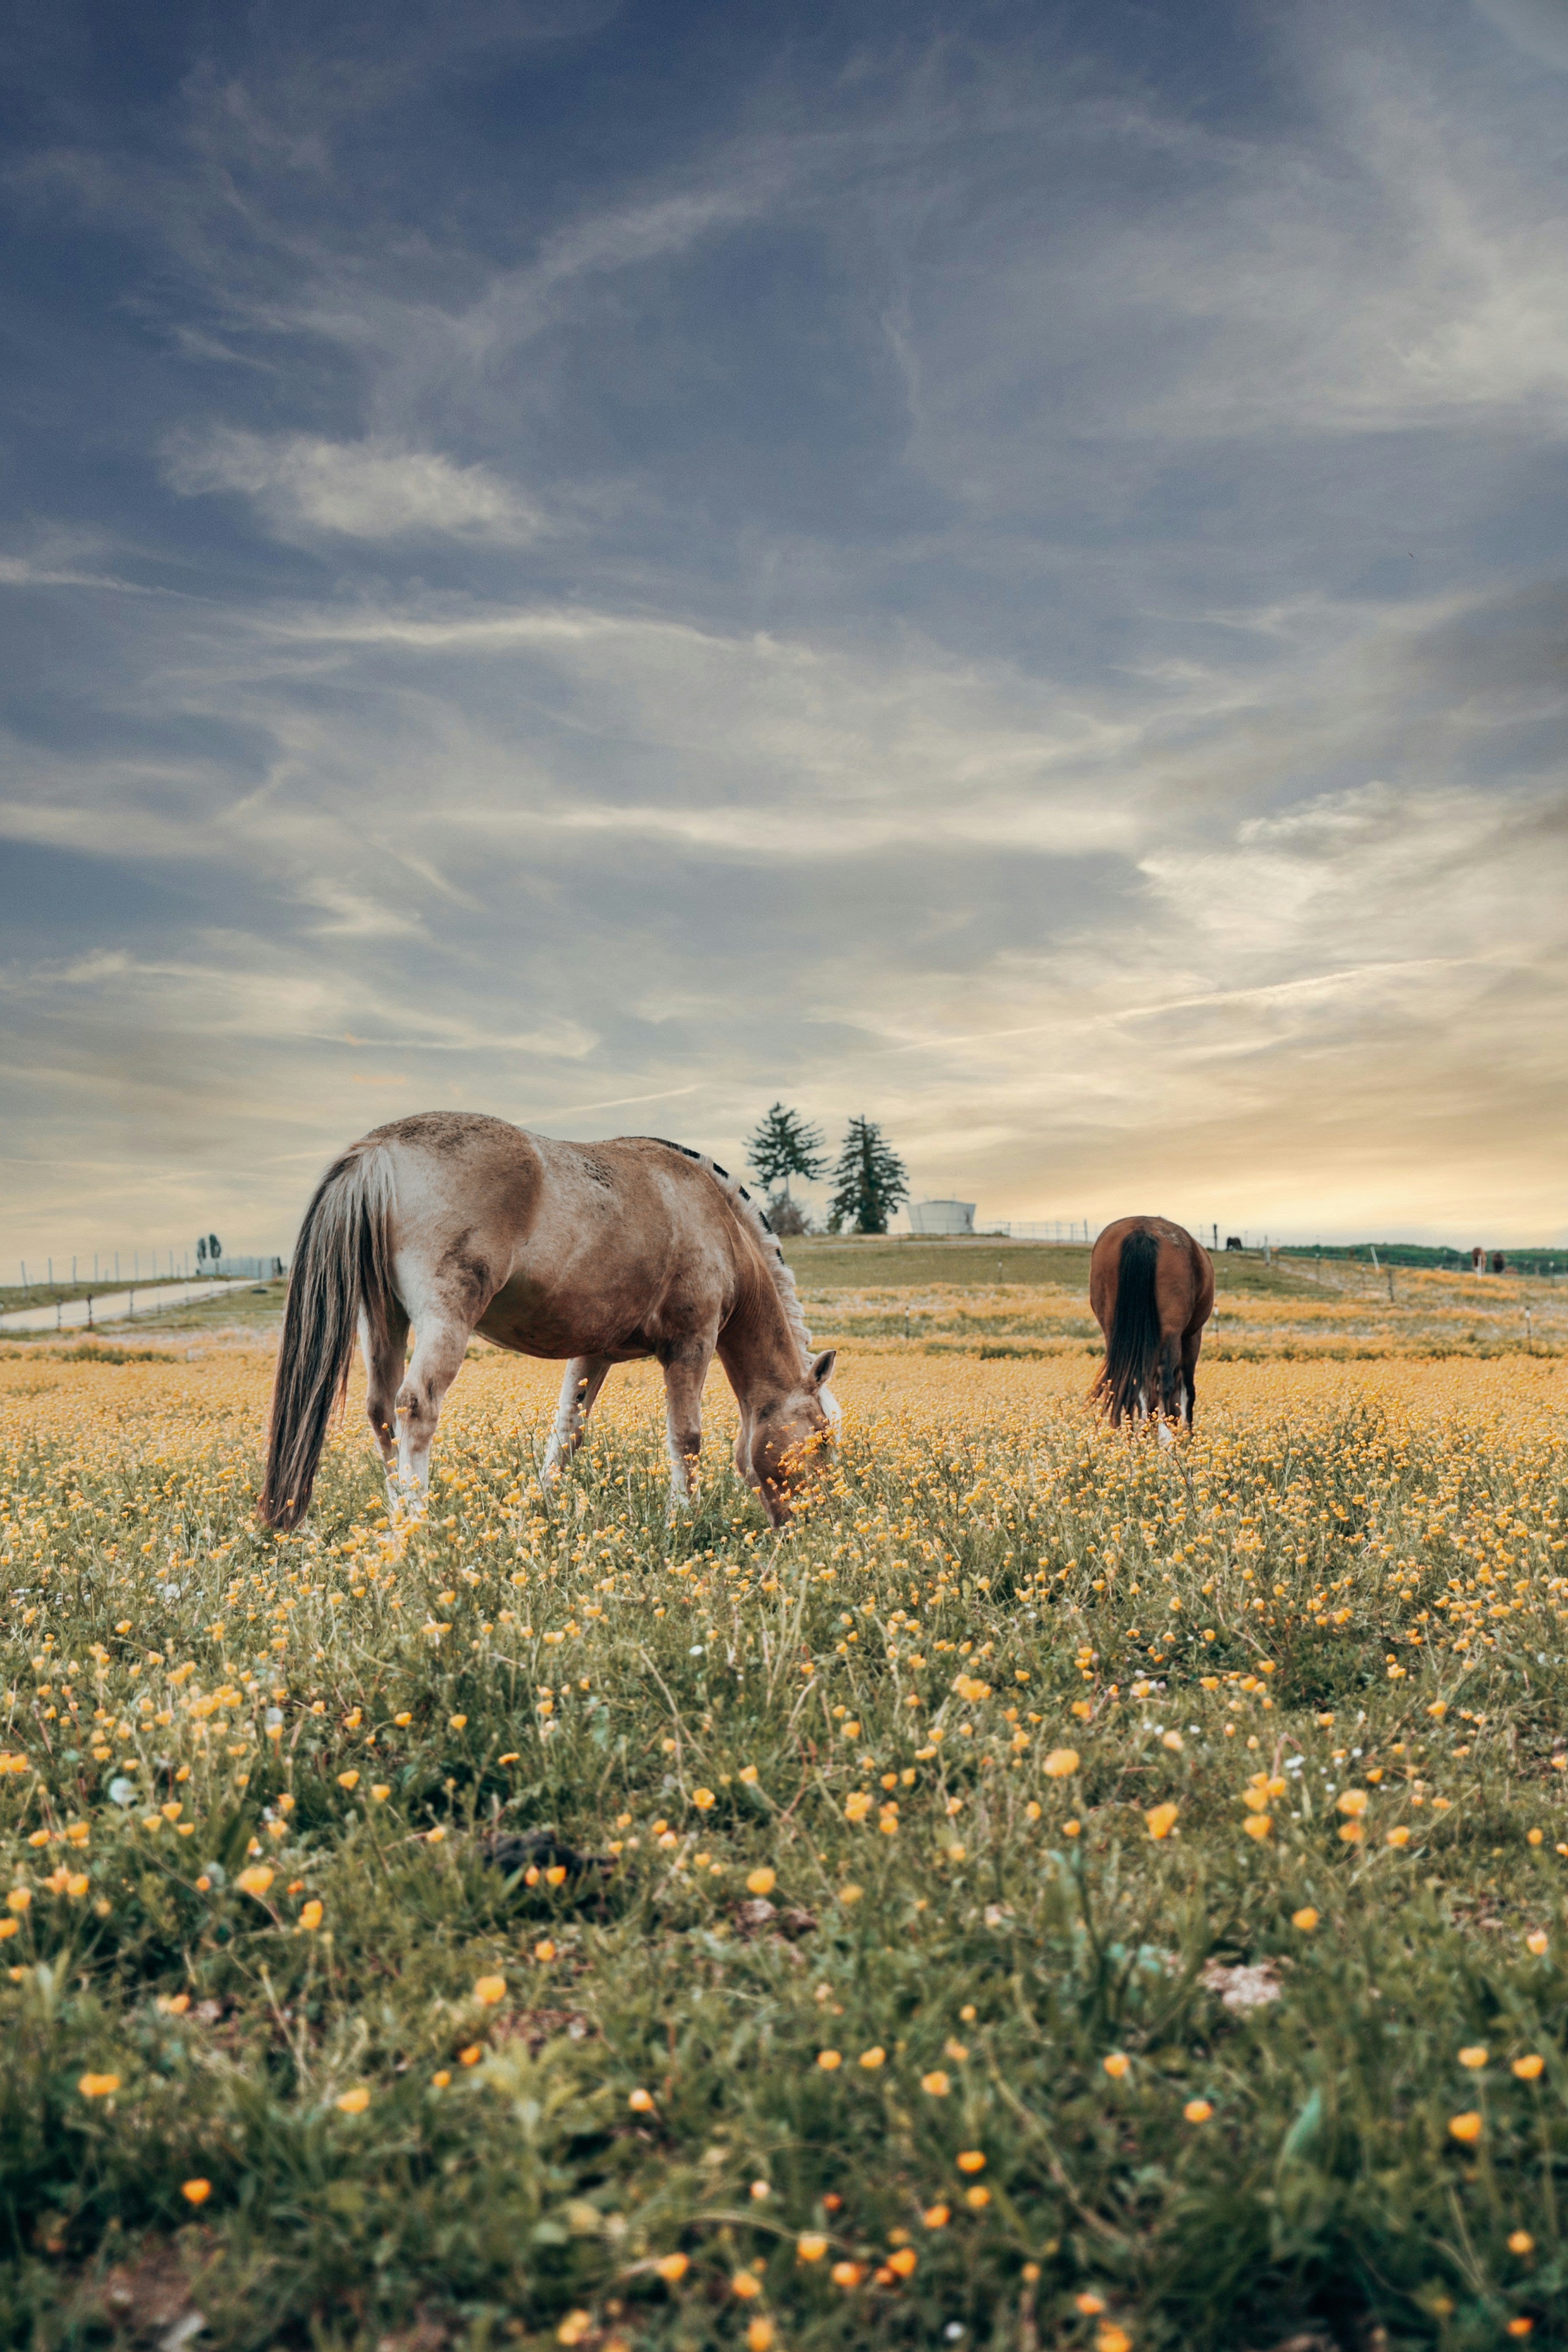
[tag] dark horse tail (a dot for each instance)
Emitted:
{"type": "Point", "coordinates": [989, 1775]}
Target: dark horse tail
{"type": "Point", "coordinates": [1132, 1356]}
{"type": "Point", "coordinates": [342, 1269]}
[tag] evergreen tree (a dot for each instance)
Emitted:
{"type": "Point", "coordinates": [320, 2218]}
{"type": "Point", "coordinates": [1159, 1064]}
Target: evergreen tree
{"type": "Point", "coordinates": [785, 1146]}
{"type": "Point", "coordinates": [869, 1180]}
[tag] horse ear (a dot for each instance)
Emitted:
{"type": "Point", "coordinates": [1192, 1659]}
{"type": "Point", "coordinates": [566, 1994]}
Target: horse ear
{"type": "Point", "coordinates": [822, 1371]}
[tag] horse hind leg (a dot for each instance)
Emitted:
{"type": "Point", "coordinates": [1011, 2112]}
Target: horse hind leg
{"type": "Point", "coordinates": [1158, 1396]}
{"type": "Point", "coordinates": [383, 1358]}
{"type": "Point", "coordinates": [1190, 1343]}
{"type": "Point", "coordinates": [439, 1348]}
{"type": "Point", "coordinates": [585, 1378]}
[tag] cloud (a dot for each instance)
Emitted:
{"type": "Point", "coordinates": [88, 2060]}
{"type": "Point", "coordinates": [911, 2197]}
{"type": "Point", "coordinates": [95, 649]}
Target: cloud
{"type": "Point", "coordinates": [66, 555]}
{"type": "Point", "coordinates": [27, 571]}
{"type": "Point", "coordinates": [1062, 940]}
{"type": "Point", "coordinates": [861, 749]}
{"type": "Point", "coordinates": [352, 914]}
{"type": "Point", "coordinates": [1539, 26]}
{"type": "Point", "coordinates": [373, 490]}
{"type": "Point", "coordinates": [1010, 582]}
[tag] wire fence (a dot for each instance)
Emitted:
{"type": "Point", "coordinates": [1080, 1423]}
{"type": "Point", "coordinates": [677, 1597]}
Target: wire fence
{"type": "Point", "coordinates": [53, 1277]}
{"type": "Point", "coordinates": [1073, 1230]}
{"type": "Point", "coordinates": [1545, 1262]}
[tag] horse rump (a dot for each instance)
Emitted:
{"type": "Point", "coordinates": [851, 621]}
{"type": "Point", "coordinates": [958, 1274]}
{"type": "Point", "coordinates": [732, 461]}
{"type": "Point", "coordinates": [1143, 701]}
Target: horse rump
{"type": "Point", "coordinates": [343, 1267]}
{"type": "Point", "coordinates": [1126, 1382]}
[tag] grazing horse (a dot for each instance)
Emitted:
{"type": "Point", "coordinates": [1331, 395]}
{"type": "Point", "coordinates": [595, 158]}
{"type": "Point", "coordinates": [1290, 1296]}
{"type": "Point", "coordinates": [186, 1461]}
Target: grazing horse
{"type": "Point", "coordinates": [603, 1253]}
{"type": "Point", "coordinates": [1151, 1286]}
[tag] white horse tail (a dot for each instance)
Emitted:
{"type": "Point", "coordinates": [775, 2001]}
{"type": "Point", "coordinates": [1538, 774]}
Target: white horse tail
{"type": "Point", "coordinates": [342, 1269]}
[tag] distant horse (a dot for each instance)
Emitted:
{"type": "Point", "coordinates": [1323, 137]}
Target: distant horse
{"type": "Point", "coordinates": [1150, 1286]}
{"type": "Point", "coordinates": [603, 1253]}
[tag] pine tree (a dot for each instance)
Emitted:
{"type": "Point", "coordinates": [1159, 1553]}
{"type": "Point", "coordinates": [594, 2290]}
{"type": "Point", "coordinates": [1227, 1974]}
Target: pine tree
{"type": "Point", "coordinates": [869, 1180]}
{"type": "Point", "coordinates": [785, 1146]}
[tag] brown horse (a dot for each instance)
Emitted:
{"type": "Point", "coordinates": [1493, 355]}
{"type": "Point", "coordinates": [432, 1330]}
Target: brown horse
{"type": "Point", "coordinates": [1150, 1286]}
{"type": "Point", "coordinates": [603, 1253]}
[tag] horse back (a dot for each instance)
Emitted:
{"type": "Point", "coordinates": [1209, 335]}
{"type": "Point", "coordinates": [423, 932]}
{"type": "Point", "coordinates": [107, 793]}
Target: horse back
{"type": "Point", "coordinates": [1183, 1273]}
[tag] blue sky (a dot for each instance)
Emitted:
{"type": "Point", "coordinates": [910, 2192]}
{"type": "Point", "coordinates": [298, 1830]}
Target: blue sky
{"type": "Point", "coordinates": [1000, 566]}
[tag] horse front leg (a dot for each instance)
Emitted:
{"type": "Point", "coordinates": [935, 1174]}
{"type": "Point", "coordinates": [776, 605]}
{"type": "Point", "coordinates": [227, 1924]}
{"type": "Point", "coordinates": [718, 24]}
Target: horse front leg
{"type": "Point", "coordinates": [585, 1378]}
{"type": "Point", "coordinates": [742, 1455]}
{"type": "Point", "coordinates": [685, 1370]}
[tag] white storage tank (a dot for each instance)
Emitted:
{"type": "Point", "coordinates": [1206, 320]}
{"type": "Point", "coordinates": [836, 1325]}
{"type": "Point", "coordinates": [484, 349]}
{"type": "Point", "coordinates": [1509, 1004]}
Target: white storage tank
{"type": "Point", "coordinates": [942, 1216]}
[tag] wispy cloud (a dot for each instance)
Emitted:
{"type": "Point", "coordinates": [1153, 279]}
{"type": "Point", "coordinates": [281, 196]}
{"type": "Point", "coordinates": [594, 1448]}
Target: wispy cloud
{"type": "Point", "coordinates": [369, 489]}
{"type": "Point", "coordinates": [27, 571]}
{"type": "Point", "coordinates": [1536, 26]}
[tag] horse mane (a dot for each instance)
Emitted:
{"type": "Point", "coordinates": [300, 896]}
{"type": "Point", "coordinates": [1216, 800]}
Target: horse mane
{"type": "Point", "coordinates": [767, 1242]}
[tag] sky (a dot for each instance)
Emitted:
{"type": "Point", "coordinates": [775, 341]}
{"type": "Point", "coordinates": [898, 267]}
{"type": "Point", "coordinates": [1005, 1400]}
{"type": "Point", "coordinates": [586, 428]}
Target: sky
{"type": "Point", "coordinates": [999, 567]}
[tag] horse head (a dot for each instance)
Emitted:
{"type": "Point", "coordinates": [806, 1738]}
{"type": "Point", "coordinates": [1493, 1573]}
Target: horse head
{"type": "Point", "coordinates": [783, 1437]}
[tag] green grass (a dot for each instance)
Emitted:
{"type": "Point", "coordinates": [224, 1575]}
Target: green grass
{"type": "Point", "coordinates": [875, 1263]}
{"type": "Point", "coordinates": [256, 1306]}
{"type": "Point", "coordinates": [1016, 1930]}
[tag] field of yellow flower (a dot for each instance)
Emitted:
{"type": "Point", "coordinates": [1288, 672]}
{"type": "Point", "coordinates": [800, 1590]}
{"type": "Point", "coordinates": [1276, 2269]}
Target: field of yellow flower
{"type": "Point", "coordinates": [1067, 1891]}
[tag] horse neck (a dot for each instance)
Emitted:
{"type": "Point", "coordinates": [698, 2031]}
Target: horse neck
{"type": "Point", "coordinates": [756, 1345]}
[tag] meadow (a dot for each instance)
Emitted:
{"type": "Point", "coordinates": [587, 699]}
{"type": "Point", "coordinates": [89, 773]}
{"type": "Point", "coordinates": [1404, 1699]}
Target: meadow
{"type": "Point", "coordinates": [1064, 1892]}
